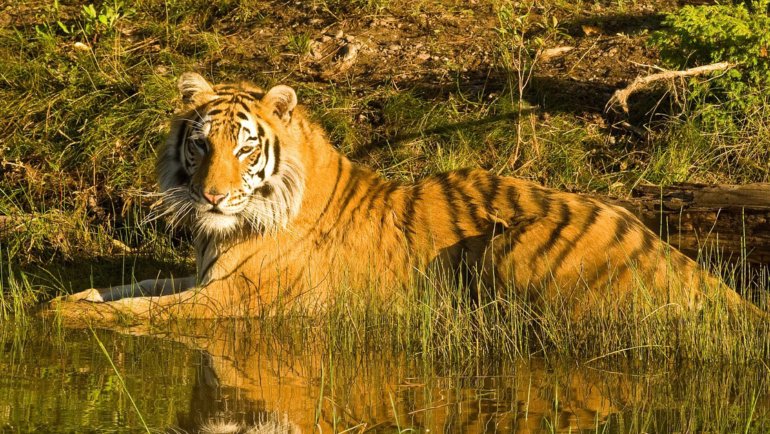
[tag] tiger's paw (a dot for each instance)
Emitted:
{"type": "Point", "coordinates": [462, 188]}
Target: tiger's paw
{"type": "Point", "coordinates": [79, 310]}
{"type": "Point", "coordinates": [92, 294]}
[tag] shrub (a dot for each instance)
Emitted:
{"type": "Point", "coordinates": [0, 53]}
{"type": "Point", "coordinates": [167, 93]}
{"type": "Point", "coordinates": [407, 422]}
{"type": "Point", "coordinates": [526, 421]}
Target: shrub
{"type": "Point", "coordinates": [737, 33]}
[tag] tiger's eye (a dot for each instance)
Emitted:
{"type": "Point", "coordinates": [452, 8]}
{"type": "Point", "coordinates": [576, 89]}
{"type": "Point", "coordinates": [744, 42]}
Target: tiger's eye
{"type": "Point", "coordinates": [245, 150]}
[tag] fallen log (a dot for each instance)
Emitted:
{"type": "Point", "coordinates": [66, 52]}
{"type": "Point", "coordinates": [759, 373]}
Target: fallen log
{"type": "Point", "coordinates": [729, 221]}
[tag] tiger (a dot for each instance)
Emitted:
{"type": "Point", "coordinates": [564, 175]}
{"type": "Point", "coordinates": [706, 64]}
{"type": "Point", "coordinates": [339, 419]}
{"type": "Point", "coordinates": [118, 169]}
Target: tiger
{"type": "Point", "coordinates": [280, 217]}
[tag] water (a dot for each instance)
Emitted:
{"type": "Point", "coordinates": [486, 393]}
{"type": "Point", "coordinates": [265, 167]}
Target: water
{"type": "Point", "coordinates": [194, 377]}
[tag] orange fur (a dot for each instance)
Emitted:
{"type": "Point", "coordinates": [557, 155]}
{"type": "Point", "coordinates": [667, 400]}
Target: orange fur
{"type": "Point", "coordinates": [349, 226]}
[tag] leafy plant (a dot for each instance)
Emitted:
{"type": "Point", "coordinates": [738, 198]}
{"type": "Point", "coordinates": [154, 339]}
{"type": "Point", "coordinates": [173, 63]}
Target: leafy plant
{"type": "Point", "coordinates": [738, 33]}
{"type": "Point", "coordinates": [104, 20]}
{"type": "Point", "coordinates": [92, 22]}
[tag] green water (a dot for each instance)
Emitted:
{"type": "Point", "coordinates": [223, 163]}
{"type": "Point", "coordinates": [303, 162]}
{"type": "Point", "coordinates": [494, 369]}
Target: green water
{"type": "Point", "coordinates": [60, 380]}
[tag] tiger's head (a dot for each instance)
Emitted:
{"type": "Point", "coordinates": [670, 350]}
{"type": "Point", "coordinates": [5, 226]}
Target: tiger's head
{"type": "Point", "coordinates": [226, 166]}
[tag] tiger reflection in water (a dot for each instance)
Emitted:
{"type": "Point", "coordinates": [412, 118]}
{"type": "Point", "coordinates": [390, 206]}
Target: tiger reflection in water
{"type": "Point", "coordinates": [260, 385]}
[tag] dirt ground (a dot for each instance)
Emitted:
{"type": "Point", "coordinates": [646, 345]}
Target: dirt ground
{"type": "Point", "coordinates": [430, 45]}
{"type": "Point", "coordinates": [436, 47]}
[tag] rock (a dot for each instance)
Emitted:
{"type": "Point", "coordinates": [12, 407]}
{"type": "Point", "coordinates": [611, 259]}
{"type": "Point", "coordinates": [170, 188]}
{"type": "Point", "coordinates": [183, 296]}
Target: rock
{"type": "Point", "coordinates": [347, 53]}
{"type": "Point", "coordinates": [423, 56]}
{"type": "Point", "coordinates": [339, 35]}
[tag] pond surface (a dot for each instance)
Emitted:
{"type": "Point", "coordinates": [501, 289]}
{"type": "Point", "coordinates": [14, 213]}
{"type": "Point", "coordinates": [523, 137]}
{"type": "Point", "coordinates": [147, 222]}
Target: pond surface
{"type": "Point", "coordinates": [216, 375]}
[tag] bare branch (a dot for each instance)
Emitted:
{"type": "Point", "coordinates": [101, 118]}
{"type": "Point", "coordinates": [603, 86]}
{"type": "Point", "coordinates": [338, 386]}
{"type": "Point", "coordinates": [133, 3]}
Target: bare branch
{"type": "Point", "coordinates": [620, 97]}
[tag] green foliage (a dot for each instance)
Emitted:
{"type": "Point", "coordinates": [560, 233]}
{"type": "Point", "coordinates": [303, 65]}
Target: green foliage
{"type": "Point", "coordinates": [737, 33]}
{"type": "Point", "coordinates": [104, 20]}
{"type": "Point", "coordinates": [299, 44]}
{"type": "Point", "coordinates": [93, 22]}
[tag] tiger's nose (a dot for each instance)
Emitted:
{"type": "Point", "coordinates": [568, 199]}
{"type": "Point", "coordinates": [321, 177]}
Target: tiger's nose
{"type": "Point", "coordinates": [213, 197]}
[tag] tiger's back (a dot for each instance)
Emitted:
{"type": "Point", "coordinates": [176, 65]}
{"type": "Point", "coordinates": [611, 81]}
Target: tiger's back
{"type": "Point", "coordinates": [502, 232]}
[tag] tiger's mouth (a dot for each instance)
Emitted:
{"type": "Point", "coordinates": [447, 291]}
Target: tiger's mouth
{"type": "Point", "coordinates": [219, 219]}
{"type": "Point", "coordinates": [216, 222]}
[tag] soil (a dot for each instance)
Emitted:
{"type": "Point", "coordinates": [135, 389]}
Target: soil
{"type": "Point", "coordinates": [438, 47]}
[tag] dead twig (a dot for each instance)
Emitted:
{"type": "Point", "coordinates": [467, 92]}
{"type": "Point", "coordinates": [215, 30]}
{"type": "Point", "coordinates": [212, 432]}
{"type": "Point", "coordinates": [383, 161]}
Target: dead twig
{"type": "Point", "coordinates": [552, 53]}
{"type": "Point", "coordinates": [620, 97]}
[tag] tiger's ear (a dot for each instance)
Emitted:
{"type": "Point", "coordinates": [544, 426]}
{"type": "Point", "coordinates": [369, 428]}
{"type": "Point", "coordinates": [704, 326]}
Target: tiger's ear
{"type": "Point", "coordinates": [282, 100]}
{"type": "Point", "coordinates": [191, 84]}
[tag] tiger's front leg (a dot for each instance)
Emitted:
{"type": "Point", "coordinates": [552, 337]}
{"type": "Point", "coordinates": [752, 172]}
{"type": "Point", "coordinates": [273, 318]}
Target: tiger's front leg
{"type": "Point", "coordinates": [108, 305]}
{"type": "Point", "coordinates": [150, 287]}
{"type": "Point", "coordinates": [217, 299]}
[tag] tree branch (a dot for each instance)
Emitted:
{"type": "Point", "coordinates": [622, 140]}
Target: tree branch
{"type": "Point", "coordinates": [620, 97]}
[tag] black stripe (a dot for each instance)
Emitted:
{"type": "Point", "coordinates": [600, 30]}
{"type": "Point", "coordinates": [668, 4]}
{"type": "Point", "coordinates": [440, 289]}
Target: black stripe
{"type": "Point", "coordinates": [374, 194]}
{"type": "Point", "coordinates": [256, 95]}
{"type": "Point", "coordinates": [261, 172]}
{"type": "Point", "coordinates": [242, 116]}
{"type": "Point", "coordinates": [564, 221]}
{"type": "Point", "coordinates": [349, 192]}
{"type": "Point", "coordinates": [648, 243]}
{"type": "Point", "coordinates": [462, 173]}
{"type": "Point", "coordinates": [219, 101]}
{"type": "Point", "coordinates": [375, 186]}
{"type": "Point", "coordinates": [584, 230]}
{"type": "Point", "coordinates": [214, 112]}
{"type": "Point", "coordinates": [392, 187]}
{"type": "Point", "coordinates": [261, 130]}
{"type": "Point", "coordinates": [624, 228]}
{"type": "Point", "coordinates": [277, 151]}
{"type": "Point", "coordinates": [346, 202]}
{"type": "Point", "coordinates": [512, 234]}
{"type": "Point", "coordinates": [447, 188]}
{"type": "Point", "coordinates": [543, 199]}
{"type": "Point", "coordinates": [334, 190]}
{"type": "Point", "coordinates": [408, 215]}
{"type": "Point", "coordinates": [479, 220]}
{"type": "Point", "coordinates": [621, 231]}
{"type": "Point", "coordinates": [489, 195]}
{"type": "Point", "coordinates": [243, 105]}
{"type": "Point", "coordinates": [512, 195]}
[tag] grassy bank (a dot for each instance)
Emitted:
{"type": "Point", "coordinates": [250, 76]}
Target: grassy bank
{"type": "Point", "coordinates": [86, 94]}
